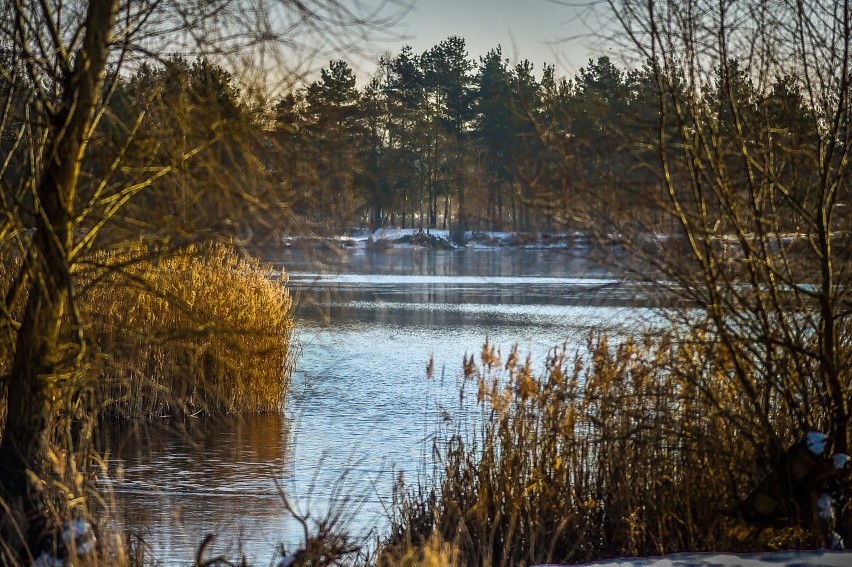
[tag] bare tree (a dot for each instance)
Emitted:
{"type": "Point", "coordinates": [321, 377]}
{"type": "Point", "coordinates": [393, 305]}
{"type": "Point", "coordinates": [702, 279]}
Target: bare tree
{"type": "Point", "coordinates": [748, 149]}
{"type": "Point", "coordinates": [74, 168]}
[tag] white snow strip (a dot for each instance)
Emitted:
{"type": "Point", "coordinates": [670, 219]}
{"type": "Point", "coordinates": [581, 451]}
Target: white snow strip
{"type": "Point", "coordinates": [776, 559]}
{"type": "Point", "coordinates": [446, 280]}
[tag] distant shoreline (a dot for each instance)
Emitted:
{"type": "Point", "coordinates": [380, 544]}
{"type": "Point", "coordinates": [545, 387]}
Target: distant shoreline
{"type": "Point", "coordinates": [443, 239]}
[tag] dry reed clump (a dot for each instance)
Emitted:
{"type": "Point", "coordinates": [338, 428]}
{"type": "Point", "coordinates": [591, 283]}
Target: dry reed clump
{"type": "Point", "coordinates": [602, 454]}
{"type": "Point", "coordinates": [201, 330]}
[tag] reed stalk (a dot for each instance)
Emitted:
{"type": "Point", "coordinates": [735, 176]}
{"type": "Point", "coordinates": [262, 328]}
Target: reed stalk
{"type": "Point", "coordinates": [605, 452]}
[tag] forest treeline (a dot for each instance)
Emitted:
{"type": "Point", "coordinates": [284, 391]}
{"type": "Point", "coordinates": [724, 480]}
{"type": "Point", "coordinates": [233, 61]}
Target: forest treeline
{"type": "Point", "coordinates": [431, 140]}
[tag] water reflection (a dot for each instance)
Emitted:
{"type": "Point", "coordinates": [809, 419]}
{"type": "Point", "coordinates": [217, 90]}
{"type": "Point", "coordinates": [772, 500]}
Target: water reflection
{"type": "Point", "coordinates": [329, 298]}
{"type": "Point", "coordinates": [175, 485]}
{"type": "Point", "coordinates": [428, 262]}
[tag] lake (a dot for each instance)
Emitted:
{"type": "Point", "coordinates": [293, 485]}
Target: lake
{"type": "Point", "coordinates": [361, 410]}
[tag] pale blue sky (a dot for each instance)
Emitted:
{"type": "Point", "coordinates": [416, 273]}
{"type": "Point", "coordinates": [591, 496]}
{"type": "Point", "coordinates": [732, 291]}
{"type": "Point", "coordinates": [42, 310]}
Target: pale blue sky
{"type": "Point", "coordinates": [565, 33]}
{"type": "Point", "coordinates": [544, 31]}
{"type": "Point", "coordinates": [538, 30]}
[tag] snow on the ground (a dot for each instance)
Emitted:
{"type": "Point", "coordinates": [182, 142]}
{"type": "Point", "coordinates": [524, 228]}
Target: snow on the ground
{"type": "Point", "coordinates": [775, 559]}
{"type": "Point", "coordinates": [398, 233]}
{"type": "Point", "coordinates": [405, 237]}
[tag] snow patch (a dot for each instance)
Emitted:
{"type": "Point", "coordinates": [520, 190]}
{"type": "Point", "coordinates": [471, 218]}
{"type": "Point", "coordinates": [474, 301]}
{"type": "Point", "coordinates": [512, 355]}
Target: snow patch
{"type": "Point", "coordinates": [47, 560]}
{"type": "Point", "coordinates": [75, 536]}
{"type": "Point", "coordinates": [816, 442]}
{"type": "Point", "coordinates": [841, 460]}
{"type": "Point", "coordinates": [825, 506]}
{"type": "Point", "coordinates": [78, 532]}
{"type": "Point", "coordinates": [835, 542]}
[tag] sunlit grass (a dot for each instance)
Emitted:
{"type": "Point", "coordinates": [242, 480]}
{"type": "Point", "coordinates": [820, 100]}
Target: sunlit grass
{"type": "Point", "coordinates": [202, 330]}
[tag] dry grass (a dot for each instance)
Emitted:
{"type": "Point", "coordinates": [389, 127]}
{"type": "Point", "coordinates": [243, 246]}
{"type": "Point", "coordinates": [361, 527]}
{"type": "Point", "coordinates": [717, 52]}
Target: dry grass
{"type": "Point", "coordinates": [203, 330]}
{"type": "Point", "coordinates": [168, 332]}
{"type": "Point", "coordinates": [435, 552]}
{"type": "Point", "coordinates": [605, 453]}
{"type": "Point", "coordinates": [164, 332]}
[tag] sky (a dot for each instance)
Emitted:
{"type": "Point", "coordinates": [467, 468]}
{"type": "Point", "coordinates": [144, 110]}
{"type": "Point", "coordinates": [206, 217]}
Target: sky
{"type": "Point", "coordinates": [561, 32]}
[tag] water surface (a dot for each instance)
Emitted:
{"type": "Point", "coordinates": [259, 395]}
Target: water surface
{"type": "Point", "coordinates": [361, 410]}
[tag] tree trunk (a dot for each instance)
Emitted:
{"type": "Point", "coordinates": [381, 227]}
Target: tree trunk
{"type": "Point", "coordinates": [41, 367]}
